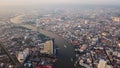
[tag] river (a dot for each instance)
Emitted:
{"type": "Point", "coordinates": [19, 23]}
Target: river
{"type": "Point", "coordinates": [64, 53]}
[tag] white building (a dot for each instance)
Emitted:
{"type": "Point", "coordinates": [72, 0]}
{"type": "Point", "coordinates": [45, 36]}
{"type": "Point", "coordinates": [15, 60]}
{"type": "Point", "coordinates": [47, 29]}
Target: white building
{"type": "Point", "coordinates": [22, 55]}
{"type": "Point", "coordinates": [47, 47]}
{"type": "Point", "coordinates": [102, 64]}
{"type": "Point", "coordinates": [116, 19]}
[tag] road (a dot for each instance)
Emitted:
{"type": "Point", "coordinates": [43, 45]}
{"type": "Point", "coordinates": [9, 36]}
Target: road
{"type": "Point", "coordinates": [64, 53]}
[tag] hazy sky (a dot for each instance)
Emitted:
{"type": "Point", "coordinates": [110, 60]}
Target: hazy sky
{"type": "Point", "coordinates": [33, 2]}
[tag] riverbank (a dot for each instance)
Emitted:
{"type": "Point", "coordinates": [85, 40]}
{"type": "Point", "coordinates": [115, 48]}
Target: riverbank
{"type": "Point", "coordinates": [64, 54]}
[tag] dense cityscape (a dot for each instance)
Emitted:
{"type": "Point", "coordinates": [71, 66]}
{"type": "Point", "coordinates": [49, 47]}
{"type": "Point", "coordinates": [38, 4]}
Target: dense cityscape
{"type": "Point", "coordinates": [60, 37]}
{"type": "Point", "coordinates": [95, 34]}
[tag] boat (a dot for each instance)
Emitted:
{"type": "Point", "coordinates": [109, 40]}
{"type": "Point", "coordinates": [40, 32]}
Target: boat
{"type": "Point", "coordinates": [65, 46]}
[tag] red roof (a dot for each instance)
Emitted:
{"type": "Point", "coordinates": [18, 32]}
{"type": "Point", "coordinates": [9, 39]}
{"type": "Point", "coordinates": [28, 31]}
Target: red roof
{"type": "Point", "coordinates": [47, 66]}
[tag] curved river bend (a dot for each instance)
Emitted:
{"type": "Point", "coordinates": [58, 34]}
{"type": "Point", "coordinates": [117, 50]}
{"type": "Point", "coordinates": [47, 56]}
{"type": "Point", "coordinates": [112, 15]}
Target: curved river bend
{"type": "Point", "coordinates": [64, 54]}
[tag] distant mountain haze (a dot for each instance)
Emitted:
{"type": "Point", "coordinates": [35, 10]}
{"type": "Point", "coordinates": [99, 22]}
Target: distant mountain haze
{"type": "Point", "coordinates": [47, 2]}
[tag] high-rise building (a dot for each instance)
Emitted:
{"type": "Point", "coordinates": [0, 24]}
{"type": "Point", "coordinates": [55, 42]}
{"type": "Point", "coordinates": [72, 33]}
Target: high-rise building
{"type": "Point", "coordinates": [47, 47]}
{"type": "Point", "coordinates": [116, 19]}
{"type": "Point", "coordinates": [102, 64]}
{"type": "Point", "coordinates": [37, 22]}
{"type": "Point", "coordinates": [22, 55]}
